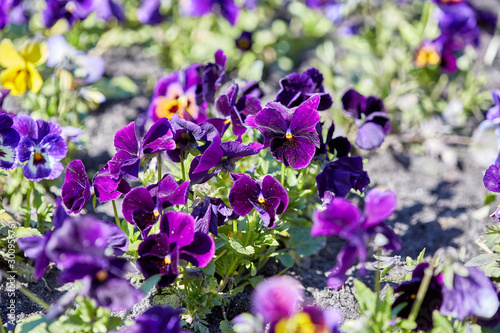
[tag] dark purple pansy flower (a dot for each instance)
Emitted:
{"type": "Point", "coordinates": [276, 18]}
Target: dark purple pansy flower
{"type": "Point", "coordinates": [160, 253]}
{"type": "Point", "coordinates": [210, 214]}
{"type": "Point", "coordinates": [109, 187]}
{"type": "Point", "coordinates": [76, 188]}
{"type": "Point", "coordinates": [296, 88]}
{"type": "Point", "coordinates": [290, 133]}
{"type": "Point", "coordinates": [176, 93]}
{"type": "Point", "coordinates": [210, 78]}
{"type": "Point", "coordinates": [12, 11]}
{"type": "Point", "coordinates": [408, 292]}
{"type": "Point", "coordinates": [235, 110]}
{"type": "Point", "coordinates": [278, 301]}
{"type": "Point", "coordinates": [41, 147]}
{"type": "Point", "coordinates": [343, 219]}
{"type": "Point", "coordinates": [190, 138]}
{"type": "Point", "coordinates": [70, 10]}
{"type": "Point", "coordinates": [34, 246]}
{"type": "Point", "coordinates": [224, 8]}
{"type": "Point", "coordinates": [342, 175]}
{"type": "Point", "coordinates": [267, 196]}
{"type": "Point", "coordinates": [130, 150]}
{"type": "Point", "coordinates": [9, 139]}
{"type": "Point", "coordinates": [491, 178]}
{"type": "Point", "coordinates": [244, 42]}
{"type": "Point", "coordinates": [339, 146]}
{"type": "Point", "coordinates": [143, 206]}
{"type": "Point", "coordinates": [156, 320]}
{"type": "Point", "coordinates": [219, 157]}
{"type": "Point", "coordinates": [149, 12]}
{"type": "Point", "coordinates": [370, 117]}
{"type": "Point", "coordinates": [472, 294]}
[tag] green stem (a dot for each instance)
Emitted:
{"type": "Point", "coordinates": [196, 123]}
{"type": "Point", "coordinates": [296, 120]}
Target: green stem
{"type": "Point", "coordinates": [229, 274]}
{"type": "Point", "coordinates": [159, 166]}
{"type": "Point", "coordinates": [183, 170]}
{"type": "Point", "coordinates": [117, 219]}
{"type": "Point", "coordinates": [27, 218]}
{"type": "Point", "coordinates": [422, 290]}
{"type": "Point", "coordinates": [283, 174]}
{"type": "Point", "coordinates": [377, 274]}
{"type": "Point", "coordinates": [424, 19]}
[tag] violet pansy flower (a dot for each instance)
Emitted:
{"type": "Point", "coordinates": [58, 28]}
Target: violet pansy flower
{"type": "Point", "coordinates": [130, 150]}
{"type": "Point", "coordinates": [210, 214]}
{"type": "Point", "coordinates": [219, 157]}
{"type": "Point", "coordinates": [108, 9]}
{"type": "Point", "coordinates": [296, 88]}
{"type": "Point", "coordinates": [156, 320]}
{"type": "Point", "coordinates": [109, 187]}
{"type": "Point", "coordinates": [211, 77]}
{"type": "Point", "coordinates": [339, 146]}
{"type": "Point", "coordinates": [244, 42]}
{"type": "Point", "coordinates": [9, 139]}
{"type": "Point", "coordinates": [149, 12]}
{"type": "Point", "coordinates": [267, 196]}
{"type": "Point", "coordinates": [342, 175]}
{"type": "Point", "coordinates": [235, 110]}
{"type": "Point", "coordinates": [161, 253]}
{"type": "Point", "coordinates": [143, 206]}
{"type": "Point", "coordinates": [290, 133]}
{"type": "Point", "coordinates": [70, 10]}
{"type": "Point", "coordinates": [370, 116]}
{"type": "Point", "coordinates": [41, 147]}
{"type": "Point", "coordinates": [407, 294]}
{"type": "Point", "coordinates": [224, 8]}
{"type": "Point", "coordinates": [76, 191]}
{"type": "Point", "coordinates": [176, 94]}
{"type": "Point", "coordinates": [343, 219]}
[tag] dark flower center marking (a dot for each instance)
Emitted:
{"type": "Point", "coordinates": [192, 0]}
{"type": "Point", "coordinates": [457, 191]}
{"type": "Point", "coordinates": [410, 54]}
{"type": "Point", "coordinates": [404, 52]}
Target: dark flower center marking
{"type": "Point", "coordinates": [101, 275]}
{"type": "Point", "coordinates": [2, 153]}
{"type": "Point", "coordinates": [38, 158]}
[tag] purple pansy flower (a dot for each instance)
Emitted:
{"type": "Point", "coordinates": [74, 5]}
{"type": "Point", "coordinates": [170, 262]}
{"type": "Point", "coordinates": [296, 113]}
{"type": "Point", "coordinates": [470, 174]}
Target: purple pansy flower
{"type": "Point", "coordinates": [493, 321]}
{"type": "Point", "coordinates": [235, 110]}
{"type": "Point", "coordinates": [108, 187]}
{"type": "Point", "coordinates": [130, 150]}
{"type": "Point", "coordinates": [370, 117]}
{"type": "Point", "coordinates": [224, 8]}
{"type": "Point", "coordinates": [343, 219]}
{"type": "Point", "coordinates": [108, 9]}
{"type": "Point", "coordinates": [176, 94]}
{"type": "Point", "coordinates": [431, 302]}
{"type": "Point", "coordinates": [160, 253]}
{"type": "Point", "coordinates": [267, 196]}
{"type": "Point", "coordinates": [70, 10]}
{"type": "Point", "coordinates": [339, 146]}
{"type": "Point", "coordinates": [76, 188]}
{"type": "Point", "coordinates": [210, 214]}
{"type": "Point", "coordinates": [219, 157]}
{"type": "Point", "coordinates": [149, 12]}
{"type": "Point", "coordinates": [11, 11]}
{"type": "Point", "coordinates": [296, 88]}
{"type": "Point", "coordinates": [9, 139]}
{"type": "Point", "coordinates": [41, 147]}
{"type": "Point", "coordinates": [210, 78]}
{"type": "Point", "coordinates": [143, 206]}
{"type": "Point", "coordinates": [156, 320]}
{"type": "Point", "coordinates": [278, 301]}
{"type": "Point", "coordinates": [472, 294]}
{"type": "Point", "coordinates": [342, 175]}
{"type": "Point", "coordinates": [491, 179]}
{"type": "Point", "coordinates": [290, 133]}
{"type": "Point", "coordinates": [188, 137]}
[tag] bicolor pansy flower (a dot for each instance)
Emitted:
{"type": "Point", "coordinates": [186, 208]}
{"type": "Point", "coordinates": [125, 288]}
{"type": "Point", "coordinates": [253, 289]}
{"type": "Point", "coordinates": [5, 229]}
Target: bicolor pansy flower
{"type": "Point", "coordinates": [290, 133]}
{"type": "Point", "coordinates": [9, 139]}
{"type": "Point", "coordinates": [177, 240]}
{"type": "Point", "coordinates": [267, 196]}
{"type": "Point", "coordinates": [41, 147]}
{"type": "Point", "coordinates": [176, 94]}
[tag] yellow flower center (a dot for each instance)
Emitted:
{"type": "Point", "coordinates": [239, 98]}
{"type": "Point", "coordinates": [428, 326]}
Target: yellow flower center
{"type": "Point", "coordinates": [288, 134]}
{"type": "Point", "coordinates": [261, 199]}
{"type": "Point", "coordinates": [300, 323]}
{"type": "Point", "coordinates": [427, 55]}
{"type": "Point", "coordinates": [156, 213]}
{"type": "Point", "coordinates": [167, 260]}
{"type": "Point", "coordinates": [101, 275]}
{"type": "Point", "coordinates": [38, 158]}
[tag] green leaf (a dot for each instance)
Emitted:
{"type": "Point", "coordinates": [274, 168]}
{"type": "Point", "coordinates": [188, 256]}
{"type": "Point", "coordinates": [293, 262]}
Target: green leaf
{"type": "Point", "coordinates": [209, 269]}
{"type": "Point", "coordinates": [483, 259]}
{"type": "Point", "coordinates": [238, 247]}
{"type": "Point", "coordinates": [285, 258]}
{"type": "Point", "coordinates": [441, 323]}
{"type": "Point", "coordinates": [225, 327]}
{"type": "Point", "coordinates": [302, 242]}
{"type": "Point", "coordinates": [420, 258]}
{"type": "Point", "coordinates": [150, 283]}
{"type": "Point", "coordinates": [366, 298]}
{"type": "Point", "coordinates": [22, 232]}
{"type": "Point", "coordinates": [490, 197]}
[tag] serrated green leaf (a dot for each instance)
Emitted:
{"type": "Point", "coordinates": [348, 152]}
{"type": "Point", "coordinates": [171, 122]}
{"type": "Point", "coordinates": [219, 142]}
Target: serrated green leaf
{"type": "Point", "coordinates": [22, 232]}
{"type": "Point", "coordinates": [209, 269]}
{"type": "Point", "coordinates": [238, 247]}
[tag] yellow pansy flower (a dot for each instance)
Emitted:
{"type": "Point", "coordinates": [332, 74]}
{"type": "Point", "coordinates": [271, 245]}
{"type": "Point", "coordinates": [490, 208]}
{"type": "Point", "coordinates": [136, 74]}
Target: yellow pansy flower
{"type": "Point", "coordinates": [20, 66]}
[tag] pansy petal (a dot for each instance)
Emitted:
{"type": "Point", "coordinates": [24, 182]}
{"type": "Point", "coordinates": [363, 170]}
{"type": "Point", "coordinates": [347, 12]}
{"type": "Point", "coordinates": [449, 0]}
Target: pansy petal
{"type": "Point", "coordinates": [370, 135]}
{"type": "Point", "coordinates": [339, 218]}
{"type": "Point", "coordinates": [379, 205]}
{"type": "Point", "coordinates": [296, 152]}
{"type": "Point", "coordinates": [179, 227]}
{"type": "Point", "coordinates": [242, 192]}
{"type": "Point", "coordinates": [137, 199]}
{"type": "Point", "coordinates": [200, 252]}
{"type": "Point", "coordinates": [272, 188]}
